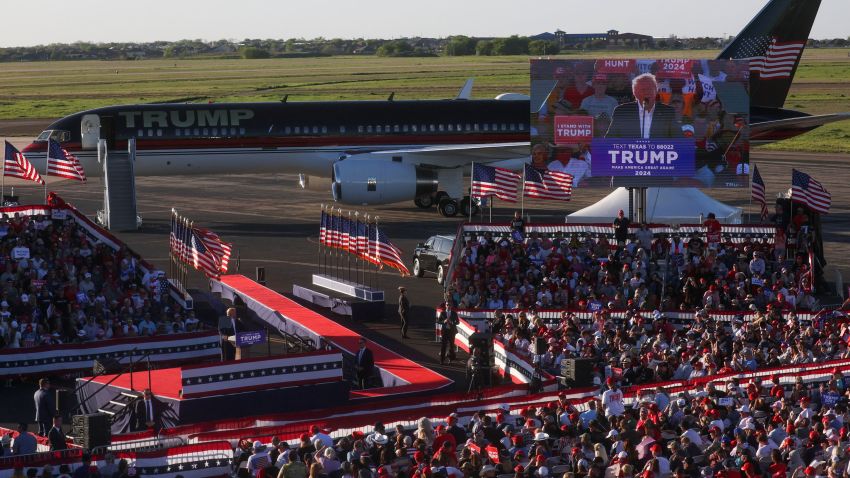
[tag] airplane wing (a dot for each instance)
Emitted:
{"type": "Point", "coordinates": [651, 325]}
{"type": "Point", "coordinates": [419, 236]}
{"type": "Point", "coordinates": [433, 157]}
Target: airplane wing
{"type": "Point", "coordinates": [452, 156]}
{"type": "Point", "coordinates": [768, 130]}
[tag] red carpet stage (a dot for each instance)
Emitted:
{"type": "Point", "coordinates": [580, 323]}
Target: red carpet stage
{"type": "Point", "coordinates": [400, 375]}
{"type": "Point", "coordinates": [204, 392]}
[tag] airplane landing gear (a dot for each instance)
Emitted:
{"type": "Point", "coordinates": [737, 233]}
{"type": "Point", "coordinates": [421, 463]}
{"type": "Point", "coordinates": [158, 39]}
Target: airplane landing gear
{"type": "Point", "coordinates": [448, 207]}
{"type": "Point", "coordinates": [424, 202]}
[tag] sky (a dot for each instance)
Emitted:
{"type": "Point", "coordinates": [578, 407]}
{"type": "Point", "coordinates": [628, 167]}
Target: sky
{"type": "Point", "coordinates": [35, 22]}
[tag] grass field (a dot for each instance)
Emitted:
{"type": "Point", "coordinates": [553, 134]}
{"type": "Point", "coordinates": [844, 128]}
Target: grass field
{"type": "Point", "coordinates": [54, 89]}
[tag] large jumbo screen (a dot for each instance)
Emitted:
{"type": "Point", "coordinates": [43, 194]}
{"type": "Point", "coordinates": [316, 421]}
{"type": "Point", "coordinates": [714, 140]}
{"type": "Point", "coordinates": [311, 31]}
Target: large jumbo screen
{"type": "Point", "coordinates": [636, 123]}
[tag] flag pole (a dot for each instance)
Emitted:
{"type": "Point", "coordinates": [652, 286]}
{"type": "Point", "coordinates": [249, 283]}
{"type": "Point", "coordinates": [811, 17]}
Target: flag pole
{"type": "Point", "coordinates": [471, 180]}
{"type": "Point", "coordinates": [368, 248]}
{"type": "Point", "coordinates": [46, 166]}
{"type": "Point", "coordinates": [357, 246]}
{"type": "Point", "coordinates": [348, 252]}
{"type": "Point", "coordinates": [522, 195]}
{"type": "Point", "coordinates": [339, 243]}
{"type": "Point", "coordinates": [377, 241]}
{"type": "Point", "coordinates": [319, 252]}
{"type": "Point", "coordinates": [3, 184]}
{"type": "Point", "coordinates": [750, 208]}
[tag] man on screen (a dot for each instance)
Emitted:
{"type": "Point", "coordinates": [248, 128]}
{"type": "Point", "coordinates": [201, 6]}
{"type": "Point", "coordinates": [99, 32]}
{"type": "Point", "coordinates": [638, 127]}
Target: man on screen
{"type": "Point", "coordinates": [644, 118]}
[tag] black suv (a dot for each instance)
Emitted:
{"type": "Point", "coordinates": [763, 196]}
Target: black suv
{"type": "Point", "coordinates": [433, 256]}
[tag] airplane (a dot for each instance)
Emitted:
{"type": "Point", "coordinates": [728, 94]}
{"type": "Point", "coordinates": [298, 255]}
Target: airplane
{"type": "Point", "coordinates": [381, 152]}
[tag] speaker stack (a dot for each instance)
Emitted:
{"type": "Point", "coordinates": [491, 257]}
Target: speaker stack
{"type": "Point", "coordinates": [576, 373]}
{"type": "Point", "coordinates": [92, 430]}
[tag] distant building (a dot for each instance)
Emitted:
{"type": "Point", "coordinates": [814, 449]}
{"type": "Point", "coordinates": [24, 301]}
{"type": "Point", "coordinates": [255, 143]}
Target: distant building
{"type": "Point", "coordinates": [611, 39]}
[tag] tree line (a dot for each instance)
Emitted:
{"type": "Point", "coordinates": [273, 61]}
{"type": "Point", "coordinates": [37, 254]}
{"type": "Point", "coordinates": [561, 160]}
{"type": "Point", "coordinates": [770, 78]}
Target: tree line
{"type": "Point", "coordinates": [293, 47]}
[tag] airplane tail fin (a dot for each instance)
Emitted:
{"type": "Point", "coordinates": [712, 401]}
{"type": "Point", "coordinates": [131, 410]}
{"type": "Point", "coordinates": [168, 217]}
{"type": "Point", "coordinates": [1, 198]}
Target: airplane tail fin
{"type": "Point", "coordinates": [773, 41]}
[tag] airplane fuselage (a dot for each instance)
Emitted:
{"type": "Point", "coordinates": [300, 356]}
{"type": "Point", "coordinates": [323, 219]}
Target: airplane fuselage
{"type": "Point", "coordinates": [278, 137]}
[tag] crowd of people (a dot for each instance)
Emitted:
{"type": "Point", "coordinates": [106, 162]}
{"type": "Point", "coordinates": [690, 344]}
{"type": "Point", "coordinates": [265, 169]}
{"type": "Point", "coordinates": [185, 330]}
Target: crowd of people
{"type": "Point", "coordinates": [726, 428]}
{"type": "Point", "coordinates": [60, 286]}
{"type": "Point", "coordinates": [631, 271]}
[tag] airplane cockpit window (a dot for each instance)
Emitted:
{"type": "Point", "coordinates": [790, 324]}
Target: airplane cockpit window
{"type": "Point", "coordinates": [58, 135]}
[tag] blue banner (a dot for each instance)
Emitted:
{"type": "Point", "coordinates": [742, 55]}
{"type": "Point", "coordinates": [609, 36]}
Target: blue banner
{"type": "Point", "coordinates": [244, 339]}
{"type": "Point", "coordinates": [643, 157]}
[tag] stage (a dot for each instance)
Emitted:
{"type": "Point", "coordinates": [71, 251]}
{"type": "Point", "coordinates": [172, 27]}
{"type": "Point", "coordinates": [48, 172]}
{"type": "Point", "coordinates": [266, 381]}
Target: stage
{"type": "Point", "coordinates": [400, 375]}
{"type": "Point", "coordinates": [205, 392]}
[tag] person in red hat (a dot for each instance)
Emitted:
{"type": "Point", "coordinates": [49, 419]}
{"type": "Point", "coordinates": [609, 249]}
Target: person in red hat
{"type": "Point", "coordinates": [443, 435]}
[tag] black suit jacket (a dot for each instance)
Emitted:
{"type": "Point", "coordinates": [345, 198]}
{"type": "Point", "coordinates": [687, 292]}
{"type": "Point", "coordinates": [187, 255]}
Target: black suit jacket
{"type": "Point", "coordinates": [140, 415]}
{"type": "Point", "coordinates": [45, 407]}
{"type": "Point", "coordinates": [626, 122]}
{"type": "Point", "coordinates": [366, 362]}
{"type": "Point", "coordinates": [57, 439]}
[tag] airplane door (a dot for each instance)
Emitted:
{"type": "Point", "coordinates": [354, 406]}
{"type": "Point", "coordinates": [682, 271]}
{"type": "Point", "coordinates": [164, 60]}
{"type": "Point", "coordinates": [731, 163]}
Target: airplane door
{"type": "Point", "coordinates": [90, 131]}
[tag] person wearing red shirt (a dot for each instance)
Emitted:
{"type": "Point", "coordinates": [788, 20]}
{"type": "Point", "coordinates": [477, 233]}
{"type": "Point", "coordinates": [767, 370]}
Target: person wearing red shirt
{"type": "Point", "coordinates": [580, 89]}
{"type": "Point", "coordinates": [712, 231]}
{"type": "Point", "coordinates": [444, 436]}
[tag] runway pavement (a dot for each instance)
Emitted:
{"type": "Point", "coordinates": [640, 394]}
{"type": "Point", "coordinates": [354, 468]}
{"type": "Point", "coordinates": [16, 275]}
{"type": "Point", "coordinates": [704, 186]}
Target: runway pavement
{"type": "Point", "coordinates": [274, 224]}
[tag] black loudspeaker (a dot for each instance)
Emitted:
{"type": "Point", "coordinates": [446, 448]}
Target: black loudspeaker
{"type": "Point", "coordinates": [106, 365]}
{"type": "Point", "coordinates": [92, 430]}
{"type": "Point", "coordinates": [577, 372]}
{"type": "Point", "coordinates": [539, 346]}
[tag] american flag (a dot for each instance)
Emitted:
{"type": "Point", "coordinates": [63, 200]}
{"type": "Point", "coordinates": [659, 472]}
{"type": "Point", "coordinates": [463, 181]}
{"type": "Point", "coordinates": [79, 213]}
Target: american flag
{"type": "Point", "coordinates": [489, 181]}
{"type": "Point", "coordinates": [360, 238]}
{"type": "Point", "coordinates": [323, 228]}
{"type": "Point", "coordinates": [547, 184]}
{"type": "Point", "coordinates": [16, 165]}
{"type": "Point", "coordinates": [220, 249]}
{"type": "Point", "coordinates": [771, 59]}
{"type": "Point", "coordinates": [334, 237]}
{"type": "Point", "coordinates": [201, 258]}
{"type": "Point", "coordinates": [806, 190]}
{"type": "Point", "coordinates": [345, 234]}
{"type": "Point", "coordinates": [178, 237]}
{"type": "Point", "coordinates": [366, 244]}
{"type": "Point", "coordinates": [62, 163]}
{"type": "Point", "coordinates": [386, 253]}
{"type": "Point", "coordinates": [758, 192]}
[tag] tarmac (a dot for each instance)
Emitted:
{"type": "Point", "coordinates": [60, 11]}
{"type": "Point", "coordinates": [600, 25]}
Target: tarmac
{"type": "Point", "coordinates": [274, 224]}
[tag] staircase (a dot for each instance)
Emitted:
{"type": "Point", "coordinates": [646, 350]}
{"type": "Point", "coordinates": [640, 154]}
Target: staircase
{"type": "Point", "coordinates": [120, 192]}
{"type": "Point", "coordinates": [119, 406]}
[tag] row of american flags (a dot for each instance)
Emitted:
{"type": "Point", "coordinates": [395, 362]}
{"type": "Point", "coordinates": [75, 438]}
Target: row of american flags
{"type": "Point", "coordinates": [60, 163]}
{"type": "Point", "coordinates": [198, 247]}
{"type": "Point", "coordinates": [804, 189]}
{"type": "Point", "coordinates": [363, 239]}
{"type": "Point", "coordinates": [504, 183]}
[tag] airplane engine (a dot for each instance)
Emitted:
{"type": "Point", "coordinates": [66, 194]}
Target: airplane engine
{"type": "Point", "coordinates": [367, 181]}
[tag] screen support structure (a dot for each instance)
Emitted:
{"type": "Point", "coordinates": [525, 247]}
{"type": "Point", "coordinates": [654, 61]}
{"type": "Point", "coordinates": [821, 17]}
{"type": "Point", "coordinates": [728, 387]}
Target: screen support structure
{"type": "Point", "coordinates": [637, 205]}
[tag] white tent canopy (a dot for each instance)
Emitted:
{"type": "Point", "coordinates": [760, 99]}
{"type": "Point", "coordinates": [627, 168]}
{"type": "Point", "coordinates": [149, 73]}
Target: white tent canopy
{"type": "Point", "coordinates": [664, 206]}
